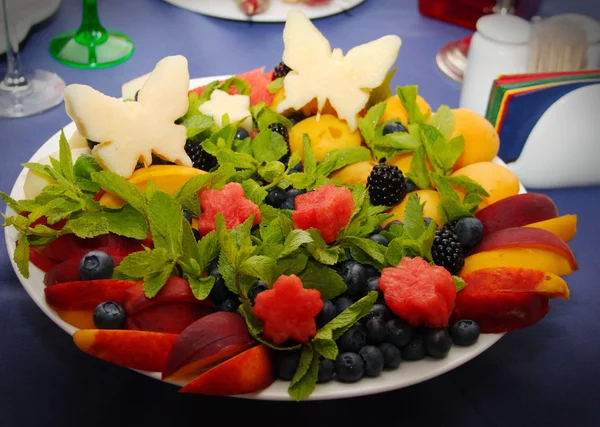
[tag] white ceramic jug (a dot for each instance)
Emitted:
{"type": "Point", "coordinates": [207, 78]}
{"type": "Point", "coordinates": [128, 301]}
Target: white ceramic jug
{"type": "Point", "coordinates": [500, 46]}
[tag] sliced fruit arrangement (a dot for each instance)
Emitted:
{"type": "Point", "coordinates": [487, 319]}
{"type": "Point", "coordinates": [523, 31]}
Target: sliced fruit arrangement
{"type": "Point", "coordinates": [301, 225]}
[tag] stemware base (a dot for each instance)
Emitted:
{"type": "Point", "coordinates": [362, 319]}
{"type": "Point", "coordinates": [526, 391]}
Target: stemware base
{"type": "Point", "coordinates": [114, 49]}
{"type": "Point", "coordinates": [43, 91]}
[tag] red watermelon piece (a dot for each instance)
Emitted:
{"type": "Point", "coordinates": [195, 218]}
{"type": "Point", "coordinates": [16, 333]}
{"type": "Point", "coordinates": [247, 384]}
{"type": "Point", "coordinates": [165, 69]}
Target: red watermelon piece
{"type": "Point", "coordinates": [231, 202]}
{"type": "Point", "coordinates": [258, 81]}
{"type": "Point", "coordinates": [419, 293]}
{"type": "Point", "coordinates": [328, 209]}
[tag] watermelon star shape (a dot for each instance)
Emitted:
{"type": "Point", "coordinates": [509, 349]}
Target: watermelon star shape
{"type": "Point", "coordinates": [237, 107]}
{"type": "Point", "coordinates": [288, 310]}
{"type": "Point", "coordinates": [320, 73]}
{"type": "Point", "coordinates": [128, 132]}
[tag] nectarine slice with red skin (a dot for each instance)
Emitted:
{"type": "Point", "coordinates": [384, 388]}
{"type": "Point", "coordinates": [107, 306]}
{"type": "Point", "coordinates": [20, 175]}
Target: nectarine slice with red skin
{"type": "Point", "coordinates": [70, 246]}
{"type": "Point", "coordinates": [81, 319]}
{"type": "Point", "coordinates": [206, 342]}
{"type": "Point", "coordinates": [248, 372]}
{"type": "Point", "coordinates": [565, 227]}
{"type": "Point", "coordinates": [39, 260]}
{"type": "Point", "coordinates": [87, 294]}
{"type": "Point", "coordinates": [517, 211]}
{"type": "Point", "coordinates": [170, 318]}
{"type": "Point", "coordinates": [142, 350]}
{"type": "Point", "coordinates": [526, 237]}
{"type": "Point", "coordinates": [538, 259]}
{"type": "Point", "coordinates": [515, 279]}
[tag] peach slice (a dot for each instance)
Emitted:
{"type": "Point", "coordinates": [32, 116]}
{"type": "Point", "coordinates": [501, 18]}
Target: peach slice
{"type": "Point", "coordinates": [146, 351]}
{"type": "Point", "coordinates": [81, 319]}
{"type": "Point", "coordinates": [524, 237]}
{"type": "Point", "coordinates": [517, 211]}
{"type": "Point", "coordinates": [205, 343]}
{"type": "Point", "coordinates": [86, 295]}
{"type": "Point", "coordinates": [168, 178]}
{"type": "Point", "coordinates": [354, 173]}
{"type": "Point", "coordinates": [171, 318]}
{"type": "Point", "coordinates": [248, 372]}
{"type": "Point", "coordinates": [536, 258]}
{"type": "Point", "coordinates": [565, 227]}
{"type": "Point", "coordinates": [506, 298]}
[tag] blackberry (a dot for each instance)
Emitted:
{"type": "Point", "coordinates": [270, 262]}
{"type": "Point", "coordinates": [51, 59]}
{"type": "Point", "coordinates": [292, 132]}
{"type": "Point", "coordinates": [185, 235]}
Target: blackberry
{"type": "Point", "coordinates": [447, 251]}
{"type": "Point", "coordinates": [200, 158]}
{"type": "Point", "coordinates": [386, 185]}
{"type": "Point", "coordinates": [281, 70]}
{"type": "Point", "coordinates": [281, 130]}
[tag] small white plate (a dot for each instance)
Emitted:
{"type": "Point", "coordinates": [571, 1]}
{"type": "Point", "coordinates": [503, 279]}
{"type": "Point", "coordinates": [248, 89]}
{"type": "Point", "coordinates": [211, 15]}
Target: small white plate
{"type": "Point", "coordinates": [277, 11]}
{"type": "Point", "coordinates": [22, 15]}
{"type": "Point", "coordinates": [407, 374]}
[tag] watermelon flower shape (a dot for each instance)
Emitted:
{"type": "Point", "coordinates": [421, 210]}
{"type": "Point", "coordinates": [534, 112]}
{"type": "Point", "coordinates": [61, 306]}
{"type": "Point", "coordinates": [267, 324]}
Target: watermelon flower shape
{"type": "Point", "coordinates": [288, 310]}
{"type": "Point", "coordinates": [231, 202]}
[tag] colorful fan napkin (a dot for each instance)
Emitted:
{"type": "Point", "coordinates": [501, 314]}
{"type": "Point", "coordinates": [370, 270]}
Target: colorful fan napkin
{"type": "Point", "coordinates": [518, 101]}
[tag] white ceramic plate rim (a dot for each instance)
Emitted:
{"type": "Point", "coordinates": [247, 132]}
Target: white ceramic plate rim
{"type": "Point", "coordinates": [407, 374]}
{"type": "Point", "coordinates": [277, 11]}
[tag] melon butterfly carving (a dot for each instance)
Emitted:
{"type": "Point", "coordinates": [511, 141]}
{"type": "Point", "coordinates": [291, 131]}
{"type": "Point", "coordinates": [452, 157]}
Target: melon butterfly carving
{"type": "Point", "coordinates": [128, 132]}
{"type": "Point", "coordinates": [320, 73]}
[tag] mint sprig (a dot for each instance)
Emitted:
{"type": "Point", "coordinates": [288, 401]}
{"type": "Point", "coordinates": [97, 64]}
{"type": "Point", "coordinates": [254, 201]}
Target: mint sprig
{"type": "Point", "coordinates": [451, 208]}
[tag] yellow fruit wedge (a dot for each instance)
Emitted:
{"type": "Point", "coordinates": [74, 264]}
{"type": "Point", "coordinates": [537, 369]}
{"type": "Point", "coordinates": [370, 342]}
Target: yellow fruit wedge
{"type": "Point", "coordinates": [168, 178]}
{"type": "Point", "coordinates": [564, 226]}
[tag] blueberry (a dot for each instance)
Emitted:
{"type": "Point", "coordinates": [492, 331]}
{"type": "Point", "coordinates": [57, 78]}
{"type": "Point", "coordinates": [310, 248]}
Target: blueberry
{"type": "Point", "coordinates": [327, 313]}
{"type": "Point", "coordinates": [91, 144]}
{"type": "Point", "coordinates": [109, 315]}
{"type": "Point", "coordinates": [377, 230]}
{"type": "Point", "coordinates": [293, 192]}
{"type": "Point", "coordinates": [427, 220]}
{"type": "Point", "coordinates": [415, 350]}
{"type": "Point", "coordinates": [396, 222]}
{"type": "Point", "coordinates": [373, 285]}
{"type": "Point", "coordinates": [469, 231]}
{"type": "Point", "coordinates": [376, 330]}
{"type": "Point", "coordinates": [393, 127]}
{"type": "Point", "coordinates": [297, 169]}
{"type": "Point", "coordinates": [381, 312]}
{"type": "Point", "coordinates": [343, 303]}
{"type": "Point", "coordinates": [465, 332]}
{"type": "Point", "coordinates": [219, 292]}
{"type": "Point", "coordinates": [196, 234]}
{"type": "Point", "coordinates": [276, 197]}
{"type": "Point", "coordinates": [288, 204]}
{"type": "Point", "coordinates": [256, 288]}
{"type": "Point", "coordinates": [213, 265]}
{"type": "Point", "coordinates": [286, 363]}
{"type": "Point", "coordinates": [353, 339]}
{"type": "Point", "coordinates": [229, 304]}
{"type": "Point", "coordinates": [96, 265]}
{"type": "Point", "coordinates": [374, 360]}
{"type": "Point", "coordinates": [379, 239]}
{"type": "Point", "coordinates": [355, 277]}
{"type": "Point", "coordinates": [410, 186]}
{"type": "Point", "coordinates": [295, 118]}
{"type": "Point", "coordinates": [437, 342]}
{"type": "Point", "coordinates": [241, 133]}
{"type": "Point", "coordinates": [326, 370]}
{"type": "Point", "coordinates": [371, 271]}
{"type": "Point", "coordinates": [350, 367]}
{"type": "Point", "coordinates": [187, 215]}
{"type": "Point", "coordinates": [348, 254]}
{"type": "Point", "coordinates": [391, 355]}
{"type": "Point", "coordinates": [400, 333]}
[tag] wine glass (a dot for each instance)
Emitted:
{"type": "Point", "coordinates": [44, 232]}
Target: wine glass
{"type": "Point", "coordinates": [91, 45]}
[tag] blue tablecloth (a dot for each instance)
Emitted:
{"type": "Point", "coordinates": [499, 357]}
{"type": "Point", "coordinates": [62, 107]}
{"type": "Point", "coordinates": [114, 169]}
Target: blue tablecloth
{"type": "Point", "coordinates": [547, 375]}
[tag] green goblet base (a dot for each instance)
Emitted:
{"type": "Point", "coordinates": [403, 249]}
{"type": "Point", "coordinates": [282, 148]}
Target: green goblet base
{"type": "Point", "coordinates": [99, 50]}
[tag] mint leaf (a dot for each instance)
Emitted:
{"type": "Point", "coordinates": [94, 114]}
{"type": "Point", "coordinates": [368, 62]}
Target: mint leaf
{"type": "Point", "coordinates": [154, 282]}
{"type": "Point", "coordinates": [65, 158]}
{"type": "Point", "coordinates": [347, 318]}
{"type": "Point", "coordinates": [196, 124]}
{"type": "Point", "coordinates": [275, 85]}
{"type": "Point", "coordinates": [226, 243]}
{"type": "Point", "coordinates": [321, 251]}
{"type": "Point", "coordinates": [326, 348]}
{"type": "Point", "coordinates": [253, 191]}
{"type": "Point", "coordinates": [393, 144]}
{"type": "Point", "coordinates": [310, 163]}
{"type": "Point", "coordinates": [272, 232]}
{"type": "Point", "coordinates": [208, 250]}
{"type": "Point", "coordinates": [87, 227]}
{"type": "Point", "coordinates": [368, 124]}
{"type": "Point", "coordinates": [419, 173]}
{"type": "Point", "coordinates": [442, 154]}
{"type": "Point", "coordinates": [263, 117]}
{"type": "Point", "coordinates": [237, 160]}
{"type": "Point", "coordinates": [164, 215]}
{"type": "Point", "coordinates": [124, 221]}
{"type": "Point", "coordinates": [294, 240]}
{"type": "Point", "coordinates": [269, 146]}
{"type": "Point", "coordinates": [382, 92]}
{"type": "Point", "coordinates": [56, 209]}
{"type": "Point", "coordinates": [400, 248]}
{"type": "Point", "coordinates": [83, 169]}
{"type": "Point", "coordinates": [21, 255]}
{"type": "Point", "coordinates": [189, 249]}
{"type": "Point", "coordinates": [119, 186]}
{"type": "Point", "coordinates": [408, 97]}
{"type": "Point", "coordinates": [139, 264]}
{"type": "Point", "coordinates": [467, 184]}
{"type": "Point", "coordinates": [324, 279]}
{"type": "Point", "coordinates": [292, 265]}
{"type": "Point", "coordinates": [459, 283]}
{"type": "Point", "coordinates": [305, 379]}
{"type": "Point", "coordinates": [201, 287]}
{"type": "Point", "coordinates": [366, 253]}
{"type": "Point", "coordinates": [450, 207]}
{"type": "Point", "coordinates": [261, 267]}
{"type": "Point", "coordinates": [44, 170]}
{"type": "Point", "coordinates": [443, 120]}
{"type": "Point", "coordinates": [18, 206]}
{"type": "Point", "coordinates": [227, 273]}
{"type": "Point", "coordinates": [271, 171]}
{"type": "Point", "coordinates": [242, 87]}
{"type": "Point", "coordinates": [337, 159]}
{"type": "Point", "coordinates": [414, 221]}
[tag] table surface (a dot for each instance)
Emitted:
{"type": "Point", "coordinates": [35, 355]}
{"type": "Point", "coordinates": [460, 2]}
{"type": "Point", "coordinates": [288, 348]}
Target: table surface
{"type": "Point", "coordinates": [546, 375]}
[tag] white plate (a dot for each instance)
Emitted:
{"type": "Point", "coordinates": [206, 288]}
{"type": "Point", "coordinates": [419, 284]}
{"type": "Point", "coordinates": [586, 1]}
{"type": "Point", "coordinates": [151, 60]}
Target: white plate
{"type": "Point", "coordinates": [277, 11]}
{"type": "Point", "coordinates": [22, 15]}
{"type": "Point", "coordinates": [407, 374]}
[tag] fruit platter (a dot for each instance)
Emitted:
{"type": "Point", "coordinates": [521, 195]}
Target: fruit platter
{"type": "Point", "coordinates": [308, 232]}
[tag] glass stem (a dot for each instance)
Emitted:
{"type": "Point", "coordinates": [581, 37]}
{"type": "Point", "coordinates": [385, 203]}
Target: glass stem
{"type": "Point", "coordinates": [91, 32]}
{"type": "Point", "coordinates": [15, 79]}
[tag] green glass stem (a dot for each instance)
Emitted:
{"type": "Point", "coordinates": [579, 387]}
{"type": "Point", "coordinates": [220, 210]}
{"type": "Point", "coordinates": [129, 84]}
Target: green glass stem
{"type": "Point", "coordinates": [91, 32]}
